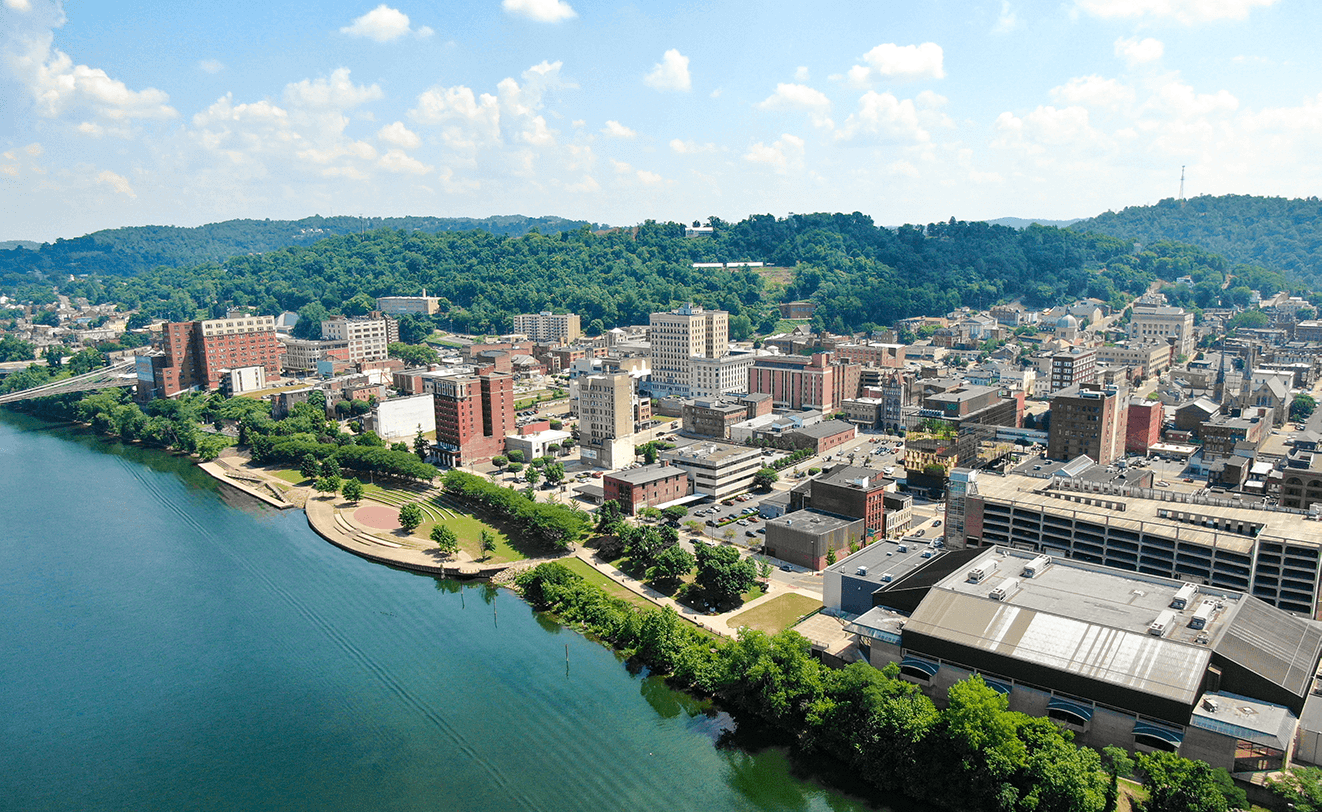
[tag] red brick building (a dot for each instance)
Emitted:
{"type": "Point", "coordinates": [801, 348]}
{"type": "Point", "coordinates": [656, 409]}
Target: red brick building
{"type": "Point", "coordinates": [473, 415]}
{"type": "Point", "coordinates": [647, 486]}
{"type": "Point", "coordinates": [795, 382]}
{"type": "Point", "coordinates": [1143, 428]}
{"type": "Point", "coordinates": [197, 351]}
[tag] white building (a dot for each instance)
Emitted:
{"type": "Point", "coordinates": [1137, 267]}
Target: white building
{"type": "Point", "coordinates": [367, 337]}
{"type": "Point", "coordinates": [680, 336]}
{"type": "Point", "coordinates": [400, 305]}
{"type": "Point", "coordinates": [547, 326]}
{"type": "Point", "coordinates": [238, 380]}
{"type": "Point", "coordinates": [718, 470]}
{"type": "Point", "coordinates": [535, 444]}
{"type": "Point", "coordinates": [1169, 324]}
{"type": "Point", "coordinates": [401, 418]}
{"type": "Point", "coordinates": [713, 377]}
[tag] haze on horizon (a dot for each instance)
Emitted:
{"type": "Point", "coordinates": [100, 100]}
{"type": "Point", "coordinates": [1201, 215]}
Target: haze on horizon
{"type": "Point", "coordinates": [161, 114]}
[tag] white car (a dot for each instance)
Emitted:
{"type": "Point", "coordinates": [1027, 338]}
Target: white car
{"type": "Point", "coordinates": [888, 470]}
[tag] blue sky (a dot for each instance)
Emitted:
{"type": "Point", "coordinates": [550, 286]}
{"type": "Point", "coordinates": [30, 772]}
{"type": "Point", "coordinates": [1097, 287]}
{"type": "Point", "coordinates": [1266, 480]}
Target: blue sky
{"type": "Point", "coordinates": [167, 113]}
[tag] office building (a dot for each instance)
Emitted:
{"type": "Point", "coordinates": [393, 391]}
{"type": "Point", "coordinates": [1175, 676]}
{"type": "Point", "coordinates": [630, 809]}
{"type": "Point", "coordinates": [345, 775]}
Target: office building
{"type": "Point", "coordinates": [714, 377]}
{"type": "Point", "coordinates": [1072, 369]}
{"type": "Point", "coordinates": [304, 354]}
{"type": "Point", "coordinates": [473, 415]}
{"type": "Point", "coordinates": [718, 470]}
{"type": "Point", "coordinates": [649, 486]}
{"type": "Point", "coordinates": [679, 336]}
{"type": "Point", "coordinates": [406, 305]}
{"type": "Point", "coordinates": [852, 492]}
{"type": "Point", "coordinates": [805, 537]}
{"type": "Point", "coordinates": [197, 353]}
{"type": "Point", "coordinates": [562, 328]}
{"type": "Point", "coordinates": [606, 424]}
{"type": "Point", "coordinates": [367, 337]}
{"type": "Point", "coordinates": [1143, 425]}
{"type": "Point", "coordinates": [402, 418]}
{"type": "Point", "coordinates": [1087, 420]}
{"type": "Point", "coordinates": [1170, 325]}
{"type": "Point", "coordinates": [797, 382]}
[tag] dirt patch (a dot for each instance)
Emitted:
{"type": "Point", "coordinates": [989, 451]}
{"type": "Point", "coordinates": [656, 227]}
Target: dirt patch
{"type": "Point", "coordinates": [378, 517]}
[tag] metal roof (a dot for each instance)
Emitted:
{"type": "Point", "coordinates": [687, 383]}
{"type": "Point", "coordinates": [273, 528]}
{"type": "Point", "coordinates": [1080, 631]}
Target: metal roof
{"type": "Point", "coordinates": [1120, 657]}
{"type": "Point", "coordinates": [1277, 646]}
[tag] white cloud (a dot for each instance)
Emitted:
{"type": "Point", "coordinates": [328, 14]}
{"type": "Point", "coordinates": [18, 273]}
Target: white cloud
{"type": "Point", "coordinates": [690, 147]}
{"type": "Point", "coordinates": [19, 5]}
{"type": "Point", "coordinates": [783, 155]}
{"type": "Point", "coordinates": [336, 92]}
{"type": "Point", "coordinates": [671, 73]}
{"type": "Point", "coordinates": [1047, 126]}
{"type": "Point", "coordinates": [1007, 21]}
{"type": "Point", "coordinates": [471, 121]}
{"type": "Point", "coordinates": [383, 24]}
{"type": "Point", "coordinates": [117, 182]}
{"type": "Point", "coordinates": [901, 62]}
{"type": "Point", "coordinates": [887, 117]}
{"type": "Point", "coordinates": [1181, 101]}
{"type": "Point", "coordinates": [800, 97]}
{"type": "Point", "coordinates": [400, 162]}
{"type": "Point", "coordinates": [1094, 91]}
{"type": "Point", "coordinates": [1185, 11]}
{"type": "Point", "coordinates": [615, 129]}
{"type": "Point", "coordinates": [1137, 51]}
{"type": "Point", "coordinates": [543, 11]}
{"type": "Point", "coordinates": [801, 74]}
{"type": "Point", "coordinates": [648, 177]}
{"type": "Point", "coordinates": [211, 66]}
{"type": "Point", "coordinates": [399, 135]}
{"type": "Point", "coordinates": [57, 85]}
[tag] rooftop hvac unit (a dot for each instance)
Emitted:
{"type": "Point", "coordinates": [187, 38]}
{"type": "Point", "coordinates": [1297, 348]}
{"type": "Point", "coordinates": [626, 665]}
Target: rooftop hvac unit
{"type": "Point", "coordinates": [886, 577]}
{"type": "Point", "coordinates": [1035, 567]}
{"type": "Point", "coordinates": [1163, 622]}
{"type": "Point", "coordinates": [862, 570]}
{"type": "Point", "coordinates": [1183, 596]}
{"type": "Point", "coordinates": [904, 548]}
{"type": "Point", "coordinates": [977, 574]}
{"type": "Point", "coordinates": [1004, 589]}
{"type": "Point", "coordinates": [1203, 616]}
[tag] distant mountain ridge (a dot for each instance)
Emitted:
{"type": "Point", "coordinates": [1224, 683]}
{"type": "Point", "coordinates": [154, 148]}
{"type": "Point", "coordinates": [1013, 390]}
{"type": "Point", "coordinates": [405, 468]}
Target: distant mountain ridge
{"type": "Point", "coordinates": [1282, 234]}
{"type": "Point", "coordinates": [131, 250]}
{"type": "Point", "coordinates": [1021, 222]}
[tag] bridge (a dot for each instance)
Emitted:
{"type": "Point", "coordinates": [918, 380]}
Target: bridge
{"type": "Point", "coordinates": [120, 374]}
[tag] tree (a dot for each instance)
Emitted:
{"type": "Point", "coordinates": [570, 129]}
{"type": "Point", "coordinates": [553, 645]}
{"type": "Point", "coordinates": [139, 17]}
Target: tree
{"type": "Point", "coordinates": [830, 556]}
{"type": "Point", "coordinates": [765, 478]}
{"type": "Point", "coordinates": [515, 467]}
{"type": "Point", "coordinates": [722, 574]}
{"type": "Point", "coordinates": [649, 513]}
{"type": "Point", "coordinates": [499, 461]}
{"type": "Point", "coordinates": [1176, 784]}
{"type": "Point", "coordinates": [670, 565]}
{"type": "Point", "coordinates": [310, 467]}
{"type": "Point", "coordinates": [538, 462]}
{"type": "Point", "coordinates": [446, 540]}
{"type": "Point", "coordinates": [516, 456]}
{"type": "Point", "coordinates": [532, 475]}
{"type": "Point", "coordinates": [1301, 408]}
{"type": "Point", "coordinates": [649, 453]}
{"type": "Point", "coordinates": [675, 512]}
{"type": "Point", "coordinates": [412, 354]}
{"type": "Point", "coordinates": [557, 425]}
{"type": "Point", "coordinates": [1299, 788]}
{"type": "Point", "coordinates": [410, 516]}
{"type": "Point", "coordinates": [554, 473]}
{"type": "Point", "coordinates": [693, 526]}
{"type": "Point", "coordinates": [610, 516]}
{"type": "Point", "coordinates": [488, 543]}
{"type": "Point", "coordinates": [327, 484]}
{"type": "Point", "coordinates": [421, 446]}
{"type": "Point", "coordinates": [352, 489]}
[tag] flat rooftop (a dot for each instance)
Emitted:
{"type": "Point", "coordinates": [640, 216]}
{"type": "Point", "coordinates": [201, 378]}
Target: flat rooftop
{"type": "Point", "coordinates": [884, 558]}
{"type": "Point", "coordinates": [812, 520]}
{"type": "Point", "coordinates": [853, 476]}
{"type": "Point", "coordinates": [829, 428]}
{"type": "Point", "coordinates": [646, 474]}
{"type": "Point", "coordinates": [708, 452]}
{"type": "Point", "coordinates": [1276, 525]}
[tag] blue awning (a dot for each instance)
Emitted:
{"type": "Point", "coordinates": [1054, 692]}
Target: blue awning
{"type": "Point", "coordinates": [999, 687]}
{"type": "Point", "coordinates": [1077, 709]}
{"type": "Point", "coordinates": [1165, 734]}
{"type": "Point", "coordinates": [924, 666]}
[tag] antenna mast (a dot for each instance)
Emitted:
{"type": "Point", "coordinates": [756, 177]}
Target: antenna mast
{"type": "Point", "coordinates": [1181, 184]}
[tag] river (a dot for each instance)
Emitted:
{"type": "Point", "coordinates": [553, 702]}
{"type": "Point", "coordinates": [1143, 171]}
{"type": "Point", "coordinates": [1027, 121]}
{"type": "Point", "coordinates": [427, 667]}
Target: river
{"type": "Point", "coordinates": [168, 644]}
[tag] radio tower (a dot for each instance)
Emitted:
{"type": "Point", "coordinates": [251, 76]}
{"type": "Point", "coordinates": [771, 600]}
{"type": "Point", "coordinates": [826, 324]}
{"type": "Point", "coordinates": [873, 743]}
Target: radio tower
{"type": "Point", "coordinates": [1181, 185]}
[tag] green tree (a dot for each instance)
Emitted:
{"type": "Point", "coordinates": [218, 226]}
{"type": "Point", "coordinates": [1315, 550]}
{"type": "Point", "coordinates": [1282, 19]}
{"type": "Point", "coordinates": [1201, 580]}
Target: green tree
{"type": "Point", "coordinates": [352, 489]}
{"type": "Point", "coordinates": [446, 540]}
{"type": "Point", "coordinates": [327, 484]}
{"type": "Point", "coordinates": [532, 475]}
{"type": "Point", "coordinates": [675, 513]}
{"type": "Point", "coordinates": [410, 516]}
{"type": "Point", "coordinates": [499, 461]}
{"type": "Point", "coordinates": [554, 473]}
{"type": "Point", "coordinates": [723, 575]}
{"type": "Point", "coordinates": [488, 543]}
{"type": "Point", "coordinates": [1299, 788]}
{"type": "Point", "coordinates": [516, 456]}
{"type": "Point", "coordinates": [421, 445]}
{"type": "Point", "coordinates": [1302, 407]}
{"type": "Point", "coordinates": [310, 467]}
{"type": "Point", "coordinates": [610, 516]}
{"type": "Point", "coordinates": [693, 526]}
{"type": "Point", "coordinates": [830, 556]}
{"type": "Point", "coordinates": [1176, 784]}
{"type": "Point", "coordinates": [765, 478]}
{"type": "Point", "coordinates": [670, 565]}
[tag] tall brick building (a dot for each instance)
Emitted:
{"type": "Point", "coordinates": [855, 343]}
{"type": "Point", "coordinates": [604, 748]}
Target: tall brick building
{"type": "Point", "coordinates": [196, 352]}
{"type": "Point", "coordinates": [795, 382]}
{"type": "Point", "coordinates": [1143, 425]}
{"type": "Point", "coordinates": [473, 415]}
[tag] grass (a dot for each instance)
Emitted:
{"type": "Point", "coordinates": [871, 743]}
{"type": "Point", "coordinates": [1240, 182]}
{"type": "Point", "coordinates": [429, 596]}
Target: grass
{"type": "Point", "coordinates": [775, 615]}
{"type": "Point", "coordinates": [610, 587]}
{"type": "Point", "coordinates": [289, 475]}
{"type": "Point", "coordinates": [786, 325]}
{"type": "Point", "coordinates": [1130, 791]}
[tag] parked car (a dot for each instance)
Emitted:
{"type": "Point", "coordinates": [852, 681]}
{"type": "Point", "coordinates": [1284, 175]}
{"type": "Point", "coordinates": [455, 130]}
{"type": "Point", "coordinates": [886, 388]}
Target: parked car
{"type": "Point", "coordinates": [936, 523]}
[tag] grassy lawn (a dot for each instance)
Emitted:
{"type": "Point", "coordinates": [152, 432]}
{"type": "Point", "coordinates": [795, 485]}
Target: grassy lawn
{"type": "Point", "coordinates": [289, 475]}
{"type": "Point", "coordinates": [775, 615]}
{"type": "Point", "coordinates": [786, 325]}
{"type": "Point", "coordinates": [1129, 791]}
{"type": "Point", "coordinates": [611, 588]}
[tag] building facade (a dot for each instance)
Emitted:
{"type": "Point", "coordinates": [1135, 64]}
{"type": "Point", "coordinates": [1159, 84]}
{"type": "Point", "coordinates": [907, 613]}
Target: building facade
{"type": "Point", "coordinates": [404, 305]}
{"type": "Point", "coordinates": [648, 486]}
{"type": "Point", "coordinates": [1089, 421]}
{"type": "Point", "coordinates": [679, 336]}
{"type": "Point", "coordinates": [367, 337]}
{"type": "Point", "coordinates": [473, 415]}
{"type": "Point", "coordinates": [796, 382]}
{"type": "Point", "coordinates": [1073, 368]}
{"type": "Point", "coordinates": [1143, 420]}
{"type": "Point", "coordinates": [714, 377]}
{"type": "Point", "coordinates": [546, 326]}
{"type": "Point", "coordinates": [606, 419]}
{"type": "Point", "coordinates": [1166, 324]}
{"type": "Point", "coordinates": [718, 470]}
{"type": "Point", "coordinates": [198, 352]}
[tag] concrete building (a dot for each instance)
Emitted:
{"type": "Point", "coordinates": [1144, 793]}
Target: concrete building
{"type": "Point", "coordinates": [546, 326]}
{"type": "Point", "coordinates": [797, 310]}
{"type": "Point", "coordinates": [851, 492]}
{"type": "Point", "coordinates": [535, 440]}
{"type": "Point", "coordinates": [403, 305]}
{"type": "Point", "coordinates": [1087, 421]}
{"type": "Point", "coordinates": [1273, 554]}
{"type": "Point", "coordinates": [1168, 324]}
{"type": "Point", "coordinates": [473, 415]}
{"type": "Point", "coordinates": [1142, 425]}
{"type": "Point", "coordinates": [1152, 358]}
{"type": "Point", "coordinates": [649, 486]}
{"type": "Point", "coordinates": [714, 377]}
{"type": "Point", "coordinates": [805, 537]}
{"type": "Point", "coordinates": [1222, 435]}
{"type": "Point", "coordinates": [822, 437]}
{"type": "Point", "coordinates": [880, 356]}
{"type": "Point", "coordinates": [367, 337]}
{"type": "Point", "coordinates": [196, 353]}
{"type": "Point", "coordinates": [796, 382]}
{"type": "Point", "coordinates": [1118, 658]}
{"type": "Point", "coordinates": [712, 418]}
{"type": "Point", "coordinates": [848, 586]}
{"type": "Point", "coordinates": [606, 420]}
{"type": "Point", "coordinates": [679, 336]}
{"type": "Point", "coordinates": [403, 418]}
{"type": "Point", "coordinates": [718, 470]}
{"type": "Point", "coordinates": [304, 354]}
{"type": "Point", "coordinates": [1073, 368]}
{"type": "Point", "coordinates": [239, 380]}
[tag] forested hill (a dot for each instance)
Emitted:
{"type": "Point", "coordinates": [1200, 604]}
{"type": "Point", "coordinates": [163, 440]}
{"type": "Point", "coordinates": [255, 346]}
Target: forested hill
{"type": "Point", "coordinates": [1279, 233]}
{"type": "Point", "coordinates": [861, 275]}
{"type": "Point", "coordinates": [126, 251]}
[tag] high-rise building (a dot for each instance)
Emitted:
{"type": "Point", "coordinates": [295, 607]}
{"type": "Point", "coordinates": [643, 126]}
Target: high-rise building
{"type": "Point", "coordinates": [367, 337]}
{"type": "Point", "coordinates": [714, 377]}
{"type": "Point", "coordinates": [676, 337]}
{"type": "Point", "coordinates": [547, 326]}
{"type": "Point", "coordinates": [1143, 425]}
{"type": "Point", "coordinates": [473, 415]}
{"type": "Point", "coordinates": [795, 382]}
{"type": "Point", "coordinates": [1073, 368]}
{"type": "Point", "coordinates": [605, 427]}
{"type": "Point", "coordinates": [1087, 420]}
{"type": "Point", "coordinates": [1159, 323]}
{"type": "Point", "coordinates": [197, 352]}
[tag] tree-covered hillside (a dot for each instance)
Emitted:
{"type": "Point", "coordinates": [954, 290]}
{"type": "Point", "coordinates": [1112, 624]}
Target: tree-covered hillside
{"type": "Point", "coordinates": [861, 275]}
{"type": "Point", "coordinates": [1279, 233]}
{"type": "Point", "coordinates": [126, 251]}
